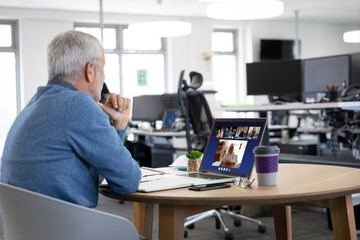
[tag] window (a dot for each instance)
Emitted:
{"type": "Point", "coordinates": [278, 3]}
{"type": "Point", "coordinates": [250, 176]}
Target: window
{"type": "Point", "coordinates": [135, 65]}
{"type": "Point", "coordinates": [9, 102]}
{"type": "Point", "coordinates": [224, 64]}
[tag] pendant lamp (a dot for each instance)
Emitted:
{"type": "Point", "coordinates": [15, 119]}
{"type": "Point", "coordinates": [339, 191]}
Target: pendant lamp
{"type": "Point", "coordinates": [352, 36]}
{"type": "Point", "coordinates": [167, 28]}
{"type": "Point", "coordinates": [170, 28]}
{"type": "Point", "coordinates": [245, 9]}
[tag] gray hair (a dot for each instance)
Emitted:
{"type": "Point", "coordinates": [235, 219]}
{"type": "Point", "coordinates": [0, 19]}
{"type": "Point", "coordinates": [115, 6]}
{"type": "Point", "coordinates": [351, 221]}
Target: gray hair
{"type": "Point", "coordinates": [69, 52]}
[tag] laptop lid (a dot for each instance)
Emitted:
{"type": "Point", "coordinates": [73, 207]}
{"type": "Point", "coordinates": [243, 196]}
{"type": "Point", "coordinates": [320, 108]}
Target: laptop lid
{"type": "Point", "coordinates": [242, 135]}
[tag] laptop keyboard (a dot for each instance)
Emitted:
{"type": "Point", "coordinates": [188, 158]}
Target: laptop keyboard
{"type": "Point", "coordinates": [204, 175]}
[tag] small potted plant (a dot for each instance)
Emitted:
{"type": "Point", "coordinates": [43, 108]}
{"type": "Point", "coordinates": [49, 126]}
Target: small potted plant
{"type": "Point", "coordinates": [194, 160]}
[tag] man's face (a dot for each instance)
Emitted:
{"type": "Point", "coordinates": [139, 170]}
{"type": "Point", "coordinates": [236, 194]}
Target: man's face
{"type": "Point", "coordinates": [231, 149]}
{"type": "Point", "coordinates": [100, 76]}
{"type": "Point", "coordinates": [99, 79]}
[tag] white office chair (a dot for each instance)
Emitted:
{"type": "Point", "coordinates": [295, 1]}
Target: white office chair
{"type": "Point", "coordinates": [32, 216]}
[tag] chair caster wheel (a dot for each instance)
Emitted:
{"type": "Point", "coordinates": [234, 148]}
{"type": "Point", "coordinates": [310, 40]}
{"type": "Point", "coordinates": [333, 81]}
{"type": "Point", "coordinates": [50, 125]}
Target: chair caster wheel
{"type": "Point", "coordinates": [237, 222]}
{"type": "Point", "coordinates": [262, 229]}
{"type": "Point", "coordinates": [185, 234]}
{"type": "Point", "coordinates": [229, 236]}
{"type": "Point", "coordinates": [191, 226]}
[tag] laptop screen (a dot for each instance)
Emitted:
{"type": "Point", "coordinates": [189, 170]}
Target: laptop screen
{"type": "Point", "coordinates": [231, 143]}
{"type": "Point", "coordinates": [169, 118]}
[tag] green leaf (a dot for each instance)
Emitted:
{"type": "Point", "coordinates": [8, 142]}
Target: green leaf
{"type": "Point", "coordinates": [194, 154]}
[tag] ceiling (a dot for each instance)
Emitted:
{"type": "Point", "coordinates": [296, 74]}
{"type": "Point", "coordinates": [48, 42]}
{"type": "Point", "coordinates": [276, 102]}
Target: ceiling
{"type": "Point", "coordinates": [331, 11]}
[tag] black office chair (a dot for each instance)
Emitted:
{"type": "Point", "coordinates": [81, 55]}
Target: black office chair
{"type": "Point", "coordinates": [198, 124]}
{"type": "Point", "coordinates": [196, 111]}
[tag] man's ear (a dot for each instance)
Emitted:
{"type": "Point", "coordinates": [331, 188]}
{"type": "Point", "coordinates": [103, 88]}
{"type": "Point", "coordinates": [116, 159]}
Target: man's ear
{"type": "Point", "coordinates": [90, 72]}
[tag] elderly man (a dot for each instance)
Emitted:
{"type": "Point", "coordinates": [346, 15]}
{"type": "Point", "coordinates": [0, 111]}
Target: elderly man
{"type": "Point", "coordinates": [64, 141]}
{"type": "Point", "coordinates": [229, 157]}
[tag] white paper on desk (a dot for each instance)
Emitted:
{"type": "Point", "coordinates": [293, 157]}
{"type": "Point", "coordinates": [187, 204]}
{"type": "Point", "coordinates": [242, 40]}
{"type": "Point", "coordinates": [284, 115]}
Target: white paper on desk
{"type": "Point", "coordinates": [151, 178]}
{"type": "Point", "coordinates": [180, 162]}
{"type": "Point", "coordinates": [146, 171]}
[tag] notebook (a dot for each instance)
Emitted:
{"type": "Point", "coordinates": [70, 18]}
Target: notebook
{"type": "Point", "coordinates": [219, 163]}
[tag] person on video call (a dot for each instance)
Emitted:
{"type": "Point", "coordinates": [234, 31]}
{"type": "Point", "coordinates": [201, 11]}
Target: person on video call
{"type": "Point", "coordinates": [64, 142]}
{"type": "Point", "coordinates": [253, 133]}
{"type": "Point", "coordinates": [228, 133]}
{"type": "Point", "coordinates": [220, 133]}
{"type": "Point", "coordinates": [229, 157]}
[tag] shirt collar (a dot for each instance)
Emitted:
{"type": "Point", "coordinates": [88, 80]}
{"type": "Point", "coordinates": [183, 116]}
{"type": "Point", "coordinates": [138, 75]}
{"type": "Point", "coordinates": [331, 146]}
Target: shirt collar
{"type": "Point", "coordinates": [62, 83]}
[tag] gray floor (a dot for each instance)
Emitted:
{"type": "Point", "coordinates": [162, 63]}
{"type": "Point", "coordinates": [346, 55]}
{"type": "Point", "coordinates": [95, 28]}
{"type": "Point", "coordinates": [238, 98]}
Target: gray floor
{"type": "Point", "coordinates": [307, 224]}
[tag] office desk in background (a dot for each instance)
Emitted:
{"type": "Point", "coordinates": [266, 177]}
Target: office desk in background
{"type": "Point", "coordinates": [351, 106]}
{"type": "Point", "coordinates": [157, 133]}
{"type": "Point", "coordinates": [318, 153]}
{"type": "Point", "coordinates": [161, 147]}
{"type": "Point", "coordinates": [298, 185]}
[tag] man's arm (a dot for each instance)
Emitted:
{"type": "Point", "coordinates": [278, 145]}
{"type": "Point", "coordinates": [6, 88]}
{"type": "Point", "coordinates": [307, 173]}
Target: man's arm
{"type": "Point", "coordinates": [101, 145]}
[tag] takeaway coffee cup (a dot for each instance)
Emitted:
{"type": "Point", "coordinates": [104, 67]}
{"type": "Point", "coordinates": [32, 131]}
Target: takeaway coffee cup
{"type": "Point", "coordinates": [266, 162]}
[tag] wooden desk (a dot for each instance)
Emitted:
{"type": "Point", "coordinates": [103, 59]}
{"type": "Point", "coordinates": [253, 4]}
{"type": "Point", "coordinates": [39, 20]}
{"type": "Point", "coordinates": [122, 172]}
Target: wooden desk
{"type": "Point", "coordinates": [298, 184]}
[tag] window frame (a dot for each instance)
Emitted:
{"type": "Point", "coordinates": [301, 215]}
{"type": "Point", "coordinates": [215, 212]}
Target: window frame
{"type": "Point", "coordinates": [120, 51]}
{"type": "Point", "coordinates": [234, 53]}
{"type": "Point", "coordinates": [14, 48]}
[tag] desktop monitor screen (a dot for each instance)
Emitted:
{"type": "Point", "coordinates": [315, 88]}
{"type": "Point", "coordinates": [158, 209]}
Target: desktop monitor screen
{"type": "Point", "coordinates": [274, 77]}
{"type": "Point", "coordinates": [277, 49]}
{"type": "Point", "coordinates": [152, 107]}
{"type": "Point", "coordinates": [326, 71]}
{"type": "Point", "coordinates": [355, 69]}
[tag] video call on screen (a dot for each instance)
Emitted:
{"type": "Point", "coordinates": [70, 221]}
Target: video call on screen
{"type": "Point", "coordinates": [242, 137]}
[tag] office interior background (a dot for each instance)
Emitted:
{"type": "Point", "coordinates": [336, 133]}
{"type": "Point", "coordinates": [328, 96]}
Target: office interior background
{"type": "Point", "coordinates": [218, 49]}
{"type": "Point", "coordinates": [137, 65]}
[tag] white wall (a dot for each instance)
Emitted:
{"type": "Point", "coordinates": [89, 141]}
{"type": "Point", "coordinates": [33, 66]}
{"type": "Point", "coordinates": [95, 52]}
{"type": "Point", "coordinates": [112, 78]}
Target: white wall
{"type": "Point", "coordinates": [186, 53]}
{"type": "Point", "coordinates": [317, 39]}
{"type": "Point", "coordinates": [35, 35]}
{"type": "Point", "coordinates": [38, 27]}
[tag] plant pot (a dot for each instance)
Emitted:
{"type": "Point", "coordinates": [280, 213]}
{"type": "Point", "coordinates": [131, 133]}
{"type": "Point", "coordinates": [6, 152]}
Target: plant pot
{"type": "Point", "coordinates": [193, 164]}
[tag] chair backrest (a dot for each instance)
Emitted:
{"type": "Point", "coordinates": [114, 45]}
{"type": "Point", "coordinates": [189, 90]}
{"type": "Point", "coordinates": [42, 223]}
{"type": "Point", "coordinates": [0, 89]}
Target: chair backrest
{"type": "Point", "coordinates": [196, 111]}
{"type": "Point", "coordinates": [32, 216]}
{"type": "Point", "coordinates": [199, 112]}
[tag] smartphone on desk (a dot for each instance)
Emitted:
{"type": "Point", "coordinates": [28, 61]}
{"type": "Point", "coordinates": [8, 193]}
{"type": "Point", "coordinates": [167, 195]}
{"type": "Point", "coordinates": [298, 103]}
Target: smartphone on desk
{"type": "Point", "coordinates": [209, 187]}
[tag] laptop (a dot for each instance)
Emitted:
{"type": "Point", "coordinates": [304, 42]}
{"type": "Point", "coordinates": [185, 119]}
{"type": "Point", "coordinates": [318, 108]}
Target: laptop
{"type": "Point", "coordinates": [169, 118]}
{"type": "Point", "coordinates": [219, 163]}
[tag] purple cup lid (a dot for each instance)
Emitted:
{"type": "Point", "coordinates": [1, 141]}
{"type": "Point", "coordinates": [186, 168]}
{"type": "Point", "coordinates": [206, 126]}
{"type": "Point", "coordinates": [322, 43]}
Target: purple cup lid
{"type": "Point", "coordinates": [266, 150]}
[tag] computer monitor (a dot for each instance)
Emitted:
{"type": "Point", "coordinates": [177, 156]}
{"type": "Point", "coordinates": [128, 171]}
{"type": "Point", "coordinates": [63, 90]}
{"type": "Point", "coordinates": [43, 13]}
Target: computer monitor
{"type": "Point", "coordinates": [322, 72]}
{"type": "Point", "coordinates": [275, 78]}
{"type": "Point", "coordinates": [277, 49]}
{"type": "Point", "coordinates": [152, 107]}
{"type": "Point", "coordinates": [354, 69]}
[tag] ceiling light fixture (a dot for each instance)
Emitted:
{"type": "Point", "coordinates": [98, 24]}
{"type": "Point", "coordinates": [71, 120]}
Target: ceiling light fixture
{"type": "Point", "coordinates": [166, 28]}
{"type": "Point", "coordinates": [208, 1]}
{"type": "Point", "coordinates": [352, 36]}
{"type": "Point", "coordinates": [245, 9]}
{"type": "Point", "coordinates": [161, 28]}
